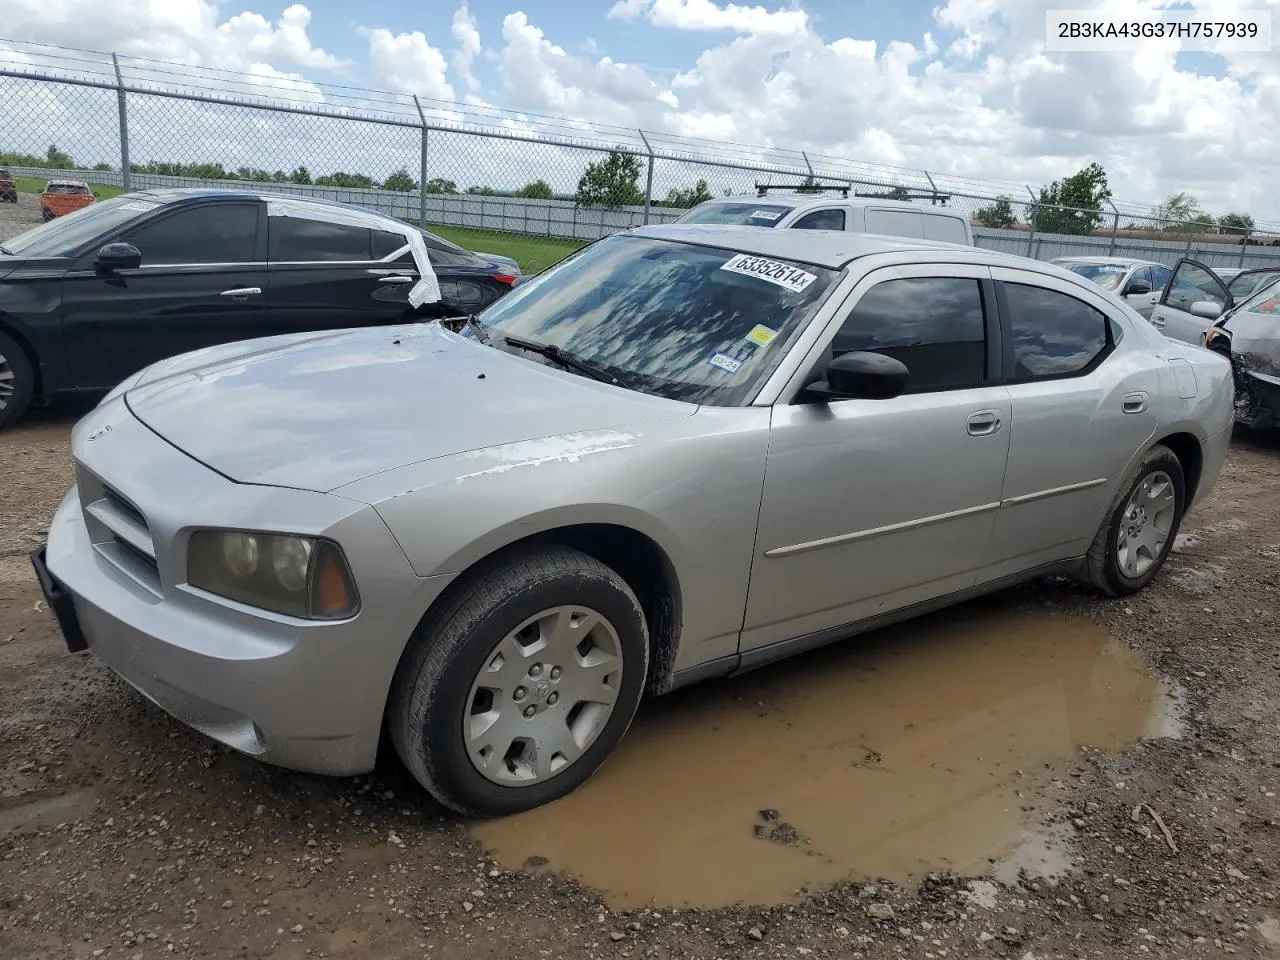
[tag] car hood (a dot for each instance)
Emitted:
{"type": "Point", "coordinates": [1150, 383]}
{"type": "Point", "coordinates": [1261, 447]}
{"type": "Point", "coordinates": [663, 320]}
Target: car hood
{"type": "Point", "coordinates": [317, 411]}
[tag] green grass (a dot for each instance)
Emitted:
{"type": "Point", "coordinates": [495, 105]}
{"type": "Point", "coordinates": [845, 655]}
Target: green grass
{"type": "Point", "coordinates": [532, 253]}
{"type": "Point", "coordinates": [36, 185]}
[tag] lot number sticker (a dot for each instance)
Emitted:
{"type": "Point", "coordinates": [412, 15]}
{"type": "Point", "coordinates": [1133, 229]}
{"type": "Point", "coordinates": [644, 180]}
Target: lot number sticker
{"type": "Point", "coordinates": [769, 215]}
{"type": "Point", "coordinates": [780, 274]}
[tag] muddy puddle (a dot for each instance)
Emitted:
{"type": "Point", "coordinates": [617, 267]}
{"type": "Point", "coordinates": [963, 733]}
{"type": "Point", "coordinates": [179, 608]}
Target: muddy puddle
{"type": "Point", "coordinates": [924, 747]}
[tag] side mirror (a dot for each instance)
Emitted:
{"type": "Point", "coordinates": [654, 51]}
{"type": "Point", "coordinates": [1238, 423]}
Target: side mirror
{"type": "Point", "coordinates": [1206, 310]}
{"type": "Point", "coordinates": [861, 375]}
{"type": "Point", "coordinates": [1137, 289]}
{"type": "Point", "coordinates": [118, 256]}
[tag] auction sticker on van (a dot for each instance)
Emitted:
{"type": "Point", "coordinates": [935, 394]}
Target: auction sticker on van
{"type": "Point", "coordinates": [782, 274]}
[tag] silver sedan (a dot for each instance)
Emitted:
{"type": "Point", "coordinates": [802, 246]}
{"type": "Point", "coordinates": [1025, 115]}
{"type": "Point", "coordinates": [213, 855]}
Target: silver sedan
{"type": "Point", "coordinates": [681, 453]}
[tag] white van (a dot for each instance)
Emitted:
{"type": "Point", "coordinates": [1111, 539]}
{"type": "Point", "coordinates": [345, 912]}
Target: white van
{"type": "Point", "coordinates": [810, 211]}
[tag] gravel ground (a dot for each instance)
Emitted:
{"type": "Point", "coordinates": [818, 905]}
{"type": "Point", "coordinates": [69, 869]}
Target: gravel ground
{"type": "Point", "coordinates": [15, 218]}
{"type": "Point", "coordinates": [123, 834]}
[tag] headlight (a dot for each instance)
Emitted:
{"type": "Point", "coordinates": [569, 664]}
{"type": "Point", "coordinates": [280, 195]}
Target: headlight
{"type": "Point", "coordinates": [299, 576]}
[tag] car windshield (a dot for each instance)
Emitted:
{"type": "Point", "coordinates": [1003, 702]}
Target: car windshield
{"type": "Point", "coordinates": [692, 323]}
{"type": "Point", "coordinates": [1245, 284]}
{"type": "Point", "coordinates": [1105, 275]}
{"type": "Point", "coordinates": [743, 214]}
{"type": "Point", "coordinates": [1265, 298]}
{"type": "Point", "coordinates": [62, 236]}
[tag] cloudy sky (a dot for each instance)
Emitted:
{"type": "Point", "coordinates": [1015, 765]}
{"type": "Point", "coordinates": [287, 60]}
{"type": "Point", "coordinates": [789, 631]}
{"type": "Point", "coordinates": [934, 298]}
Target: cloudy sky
{"type": "Point", "coordinates": [961, 86]}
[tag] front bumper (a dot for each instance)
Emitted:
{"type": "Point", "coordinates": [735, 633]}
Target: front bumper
{"type": "Point", "coordinates": [301, 694]}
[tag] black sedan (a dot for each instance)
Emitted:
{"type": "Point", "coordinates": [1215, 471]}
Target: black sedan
{"type": "Point", "coordinates": [90, 298]}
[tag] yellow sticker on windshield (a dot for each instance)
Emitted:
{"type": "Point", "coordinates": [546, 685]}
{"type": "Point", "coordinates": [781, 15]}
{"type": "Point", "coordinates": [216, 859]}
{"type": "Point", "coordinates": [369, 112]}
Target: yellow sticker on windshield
{"type": "Point", "coordinates": [761, 335]}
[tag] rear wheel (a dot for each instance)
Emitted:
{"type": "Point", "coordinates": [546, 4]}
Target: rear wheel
{"type": "Point", "coordinates": [519, 690]}
{"type": "Point", "coordinates": [1138, 533]}
{"type": "Point", "coordinates": [17, 380]}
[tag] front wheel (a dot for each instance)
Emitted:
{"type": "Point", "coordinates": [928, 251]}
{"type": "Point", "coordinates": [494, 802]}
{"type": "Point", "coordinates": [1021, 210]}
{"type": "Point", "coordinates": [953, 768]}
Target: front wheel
{"type": "Point", "coordinates": [1141, 525]}
{"type": "Point", "coordinates": [516, 693]}
{"type": "Point", "coordinates": [17, 380]}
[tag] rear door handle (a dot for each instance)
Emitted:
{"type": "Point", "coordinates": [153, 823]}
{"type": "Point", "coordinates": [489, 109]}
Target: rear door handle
{"type": "Point", "coordinates": [1134, 403]}
{"type": "Point", "coordinates": [983, 423]}
{"type": "Point", "coordinates": [395, 280]}
{"type": "Point", "coordinates": [240, 293]}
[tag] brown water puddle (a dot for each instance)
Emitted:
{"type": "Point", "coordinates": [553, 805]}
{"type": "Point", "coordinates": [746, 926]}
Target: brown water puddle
{"type": "Point", "coordinates": [902, 752]}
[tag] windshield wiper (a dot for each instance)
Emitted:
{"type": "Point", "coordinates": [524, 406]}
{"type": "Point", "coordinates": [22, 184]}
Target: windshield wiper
{"type": "Point", "coordinates": [567, 360]}
{"type": "Point", "coordinates": [470, 320]}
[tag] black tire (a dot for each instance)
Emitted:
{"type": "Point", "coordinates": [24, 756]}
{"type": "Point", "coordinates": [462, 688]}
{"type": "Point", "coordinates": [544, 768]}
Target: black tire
{"type": "Point", "coordinates": [13, 359]}
{"type": "Point", "coordinates": [1102, 565]}
{"type": "Point", "coordinates": [431, 691]}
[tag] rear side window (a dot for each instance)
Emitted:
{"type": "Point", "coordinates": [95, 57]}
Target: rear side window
{"type": "Point", "coordinates": [1054, 334]}
{"type": "Point", "coordinates": [208, 233]}
{"type": "Point", "coordinates": [298, 239]}
{"type": "Point", "coordinates": [945, 229]}
{"type": "Point", "coordinates": [934, 325]}
{"type": "Point", "coordinates": [895, 223]}
{"type": "Point", "coordinates": [820, 220]}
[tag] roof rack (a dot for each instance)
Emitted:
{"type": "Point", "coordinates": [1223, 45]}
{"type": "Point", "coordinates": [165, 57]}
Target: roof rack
{"type": "Point", "coordinates": [762, 189]}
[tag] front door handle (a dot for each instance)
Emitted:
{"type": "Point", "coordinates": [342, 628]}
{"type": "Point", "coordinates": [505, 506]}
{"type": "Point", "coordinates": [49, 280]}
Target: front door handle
{"type": "Point", "coordinates": [240, 293]}
{"type": "Point", "coordinates": [1134, 403]}
{"type": "Point", "coordinates": [395, 280]}
{"type": "Point", "coordinates": [983, 423]}
{"type": "Point", "coordinates": [1157, 321]}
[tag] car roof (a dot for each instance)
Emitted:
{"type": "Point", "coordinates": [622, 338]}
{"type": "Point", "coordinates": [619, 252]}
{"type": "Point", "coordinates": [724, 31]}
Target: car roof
{"type": "Point", "coordinates": [834, 249]}
{"type": "Point", "coordinates": [827, 198]}
{"type": "Point", "coordinates": [1119, 261]}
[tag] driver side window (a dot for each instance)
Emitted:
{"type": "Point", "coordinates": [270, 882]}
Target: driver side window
{"type": "Point", "coordinates": [1193, 284]}
{"type": "Point", "coordinates": [207, 233]}
{"type": "Point", "coordinates": [934, 325]}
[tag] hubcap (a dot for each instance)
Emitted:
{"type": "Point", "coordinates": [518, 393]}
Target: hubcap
{"type": "Point", "coordinates": [543, 695]}
{"type": "Point", "coordinates": [7, 385]}
{"type": "Point", "coordinates": [1145, 524]}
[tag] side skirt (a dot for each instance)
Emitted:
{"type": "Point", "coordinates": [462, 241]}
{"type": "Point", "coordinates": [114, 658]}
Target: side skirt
{"type": "Point", "coordinates": [761, 656]}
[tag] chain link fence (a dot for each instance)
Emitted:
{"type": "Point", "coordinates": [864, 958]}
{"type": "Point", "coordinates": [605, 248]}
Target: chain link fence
{"type": "Point", "coordinates": [129, 123]}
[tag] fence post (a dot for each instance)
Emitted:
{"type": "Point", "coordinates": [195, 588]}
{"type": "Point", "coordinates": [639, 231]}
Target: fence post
{"type": "Point", "coordinates": [126, 181]}
{"type": "Point", "coordinates": [1035, 212]}
{"type": "Point", "coordinates": [648, 183]}
{"type": "Point", "coordinates": [1244, 245]}
{"type": "Point", "coordinates": [933, 188]}
{"type": "Point", "coordinates": [422, 168]}
{"type": "Point", "coordinates": [1115, 227]}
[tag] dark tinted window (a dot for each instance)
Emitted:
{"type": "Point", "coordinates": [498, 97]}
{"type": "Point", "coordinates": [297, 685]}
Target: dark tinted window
{"type": "Point", "coordinates": [294, 239]}
{"type": "Point", "coordinates": [1159, 277]}
{"type": "Point", "coordinates": [932, 324]}
{"type": "Point", "coordinates": [820, 220]}
{"type": "Point", "coordinates": [209, 233]}
{"type": "Point", "coordinates": [386, 243]}
{"type": "Point", "coordinates": [1142, 276]}
{"type": "Point", "coordinates": [1053, 334]}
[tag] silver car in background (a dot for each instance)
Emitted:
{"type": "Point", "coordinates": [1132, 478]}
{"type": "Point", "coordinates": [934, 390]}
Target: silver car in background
{"type": "Point", "coordinates": [1198, 295]}
{"type": "Point", "coordinates": [1137, 282]}
{"type": "Point", "coordinates": [683, 452]}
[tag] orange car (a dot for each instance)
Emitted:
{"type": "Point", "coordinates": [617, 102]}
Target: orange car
{"type": "Point", "coordinates": [63, 196]}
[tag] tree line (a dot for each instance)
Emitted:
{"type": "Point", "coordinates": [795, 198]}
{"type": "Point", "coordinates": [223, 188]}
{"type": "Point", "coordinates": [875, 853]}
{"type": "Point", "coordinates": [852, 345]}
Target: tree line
{"type": "Point", "coordinates": [1074, 205]}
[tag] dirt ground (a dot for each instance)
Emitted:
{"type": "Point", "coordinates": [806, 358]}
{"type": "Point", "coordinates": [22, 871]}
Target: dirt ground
{"type": "Point", "coordinates": [15, 218]}
{"type": "Point", "coordinates": [123, 834]}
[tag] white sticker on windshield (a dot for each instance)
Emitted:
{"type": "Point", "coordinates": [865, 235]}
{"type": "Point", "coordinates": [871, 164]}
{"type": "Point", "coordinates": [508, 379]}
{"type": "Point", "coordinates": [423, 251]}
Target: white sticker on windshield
{"type": "Point", "coordinates": [725, 362]}
{"type": "Point", "coordinates": [781, 274]}
{"type": "Point", "coordinates": [769, 215]}
{"type": "Point", "coordinates": [134, 205]}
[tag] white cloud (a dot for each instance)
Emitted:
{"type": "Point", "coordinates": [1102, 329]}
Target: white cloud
{"type": "Point", "coordinates": [187, 31]}
{"type": "Point", "coordinates": [709, 16]}
{"type": "Point", "coordinates": [467, 37]}
{"type": "Point", "coordinates": [407, 63]}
